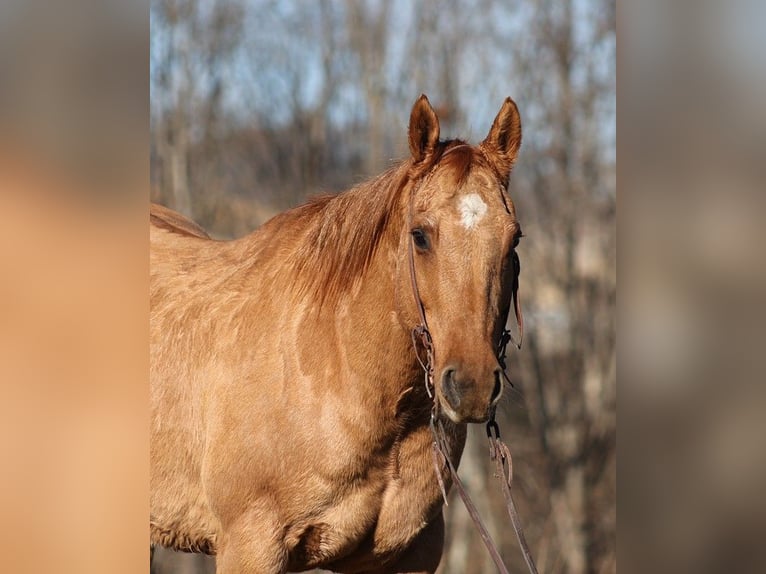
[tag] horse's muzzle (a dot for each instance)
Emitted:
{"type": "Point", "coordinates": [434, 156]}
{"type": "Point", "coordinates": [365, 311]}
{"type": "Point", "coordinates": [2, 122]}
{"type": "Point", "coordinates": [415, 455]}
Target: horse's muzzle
{"type": "Point", "coordinates": [466, 399]}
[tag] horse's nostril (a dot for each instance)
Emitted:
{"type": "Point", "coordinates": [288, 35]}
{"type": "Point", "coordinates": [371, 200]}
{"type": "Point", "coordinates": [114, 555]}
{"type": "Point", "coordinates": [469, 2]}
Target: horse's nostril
{"type": "Point", "coordinates": [498, 389]}
{"type": "Point", "coordinates": [449, 388]}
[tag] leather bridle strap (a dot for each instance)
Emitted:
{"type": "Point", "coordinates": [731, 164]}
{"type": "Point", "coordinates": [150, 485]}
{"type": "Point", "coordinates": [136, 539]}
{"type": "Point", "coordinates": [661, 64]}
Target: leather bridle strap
{"type": "Point", "coordinates": [516, 301]}
{"type": "Point", "coordinates": [415, 291]}
{"type": "Point", "coordinates": [501, 454]}
{"type": "Point", "coordinates": [421, 331]}
{"type": "Point", "coordinates": [441, 448]}
{"type": "Point", "coordinates": [506, 336]}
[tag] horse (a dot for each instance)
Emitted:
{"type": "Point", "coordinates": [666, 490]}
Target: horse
{"type": "Point", "coordinates": [290, 419]}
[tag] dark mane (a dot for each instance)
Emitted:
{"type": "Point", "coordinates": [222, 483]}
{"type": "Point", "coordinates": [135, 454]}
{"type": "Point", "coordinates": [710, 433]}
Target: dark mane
{"type": "Point", "coordinates": [344, 231]}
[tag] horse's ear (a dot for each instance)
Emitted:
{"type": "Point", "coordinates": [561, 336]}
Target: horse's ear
{"type": "Point", "coordinates": [424, 129]}
{"type": "Point", "coordinates": [504, 138]}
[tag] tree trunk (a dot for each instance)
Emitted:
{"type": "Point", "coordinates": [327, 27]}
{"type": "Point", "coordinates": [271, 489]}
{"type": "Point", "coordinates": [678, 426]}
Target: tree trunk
{"type": "Point", "coordinates": [568, 505]}
{"type": "Point", "coordinates": [178, 155]}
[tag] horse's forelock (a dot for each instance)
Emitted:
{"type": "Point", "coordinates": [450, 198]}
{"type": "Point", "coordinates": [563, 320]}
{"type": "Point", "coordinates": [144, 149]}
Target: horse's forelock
{"type": "Point", "coordinates": [458, 159]}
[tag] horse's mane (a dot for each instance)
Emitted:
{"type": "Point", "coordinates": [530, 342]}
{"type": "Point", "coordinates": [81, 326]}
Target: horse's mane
{"type": "Point", "coordinates": [344, 231]}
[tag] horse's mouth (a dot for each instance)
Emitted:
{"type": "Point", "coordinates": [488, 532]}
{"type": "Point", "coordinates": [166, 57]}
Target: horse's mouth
{"type": "Point", "coordinates": [457, 418]}
{"type": "Point", "coordinates": [450, 412]}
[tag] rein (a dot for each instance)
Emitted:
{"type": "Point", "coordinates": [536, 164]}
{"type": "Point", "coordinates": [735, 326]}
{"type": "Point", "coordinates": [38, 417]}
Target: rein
{"type": "Point", "coordinates": [498, 450]}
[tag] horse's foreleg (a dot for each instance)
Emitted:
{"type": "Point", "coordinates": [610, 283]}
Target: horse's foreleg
{"type": "Point", "coordinates": [423, 554]}
{"type": "Point", "coordinates": [252, 545]}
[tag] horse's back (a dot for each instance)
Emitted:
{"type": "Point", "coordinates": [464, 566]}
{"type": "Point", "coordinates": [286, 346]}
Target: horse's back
{"type": "Point", "coordinates": [165, 218]}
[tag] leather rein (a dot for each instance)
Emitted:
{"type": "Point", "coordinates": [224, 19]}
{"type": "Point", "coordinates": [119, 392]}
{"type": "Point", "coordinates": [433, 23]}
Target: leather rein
{"type": "Point", "coordinates": [498, 450]}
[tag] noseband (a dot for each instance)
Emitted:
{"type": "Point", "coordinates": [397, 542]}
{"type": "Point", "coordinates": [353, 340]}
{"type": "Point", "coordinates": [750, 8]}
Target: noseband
{"type": "Point", "coordinates": [498, 450]}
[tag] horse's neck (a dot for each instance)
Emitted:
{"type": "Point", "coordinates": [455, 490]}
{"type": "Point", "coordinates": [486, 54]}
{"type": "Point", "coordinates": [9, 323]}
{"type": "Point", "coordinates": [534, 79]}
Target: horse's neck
{"type": "Point", "coordinates": [376, 350]}
{"type": "Point", "coordinates": [357, 337]}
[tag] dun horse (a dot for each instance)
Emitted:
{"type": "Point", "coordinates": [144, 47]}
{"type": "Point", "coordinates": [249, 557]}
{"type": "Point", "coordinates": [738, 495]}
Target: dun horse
{"type": "Point", "coordinates": [289, 415]}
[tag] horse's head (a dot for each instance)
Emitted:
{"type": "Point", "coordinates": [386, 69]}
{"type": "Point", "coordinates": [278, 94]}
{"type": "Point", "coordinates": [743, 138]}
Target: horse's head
{"type": "Point", "coordinates": [459, 237]}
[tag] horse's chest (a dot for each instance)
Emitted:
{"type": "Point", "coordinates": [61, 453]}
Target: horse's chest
{"type": "Point", "coordinates": [382, 515]}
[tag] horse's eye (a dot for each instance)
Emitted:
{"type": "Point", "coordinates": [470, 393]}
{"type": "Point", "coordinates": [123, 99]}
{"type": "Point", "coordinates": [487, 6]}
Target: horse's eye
{"type": "Point", "coordinates": [420, 238]}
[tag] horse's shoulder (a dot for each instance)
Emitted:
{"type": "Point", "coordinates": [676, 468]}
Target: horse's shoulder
{"type": "Point", "coordinates": [165, 218]}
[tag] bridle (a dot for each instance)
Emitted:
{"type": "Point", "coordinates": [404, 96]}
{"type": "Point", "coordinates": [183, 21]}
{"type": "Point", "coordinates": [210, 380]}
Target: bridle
{"type": "Point", "coordinates": [498, 450]}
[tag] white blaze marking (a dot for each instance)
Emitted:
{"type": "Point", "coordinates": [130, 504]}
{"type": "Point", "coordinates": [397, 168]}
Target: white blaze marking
{"type": "Point", "coordinates": [472, 209]}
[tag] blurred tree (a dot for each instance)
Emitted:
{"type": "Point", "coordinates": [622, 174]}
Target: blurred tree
{"type": "Point", "coordinates": [191, 43]}
{"type": "Point", "coordinates": [567, 180]}
{"type": "Point", "coordinates": [368, 34]}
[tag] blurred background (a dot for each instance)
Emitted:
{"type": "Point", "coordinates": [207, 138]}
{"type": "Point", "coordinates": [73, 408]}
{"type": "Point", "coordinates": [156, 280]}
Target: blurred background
{"type": "Point", "coordinates": [257, 105]}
